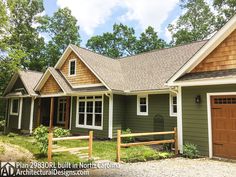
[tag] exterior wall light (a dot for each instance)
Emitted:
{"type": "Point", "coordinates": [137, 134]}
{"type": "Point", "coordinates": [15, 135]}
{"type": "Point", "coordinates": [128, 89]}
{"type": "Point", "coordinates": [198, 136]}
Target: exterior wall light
{"type": "Point", "coordinates": [198, 99]}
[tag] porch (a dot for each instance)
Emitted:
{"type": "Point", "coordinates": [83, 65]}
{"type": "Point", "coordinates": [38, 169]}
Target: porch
{"type": "Point", "coordinates": [54, 112]}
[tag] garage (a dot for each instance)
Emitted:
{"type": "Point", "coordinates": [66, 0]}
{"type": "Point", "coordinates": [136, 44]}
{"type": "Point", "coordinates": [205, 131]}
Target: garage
{"type": "Point", "coordinates": [223, 114]}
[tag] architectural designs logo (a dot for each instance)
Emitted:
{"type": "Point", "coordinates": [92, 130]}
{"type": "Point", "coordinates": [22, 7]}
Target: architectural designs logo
{"type": "Point", "coordinates": [7, 169]}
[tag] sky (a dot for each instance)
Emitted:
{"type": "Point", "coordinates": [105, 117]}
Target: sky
{"type": "Point", "coordinates": [98, 16]}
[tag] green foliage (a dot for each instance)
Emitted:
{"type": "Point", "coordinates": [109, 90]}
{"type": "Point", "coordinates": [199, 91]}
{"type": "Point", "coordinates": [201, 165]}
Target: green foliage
{"type": "Point", "coordinates": [63, 30]}
{"type": "Point", "coordinates": [190, 151]}
{"type": "Point", "coordinates": [127, 139]}
{"type": "Point", "coordinates": [197, 23]}
{"type": "Point", "coordinates": [41, 136]}
{"type": "Point", "coordinates": [143, 154]}
{"type": "Point", "coordinates": [2, 150]}
{"type": "Point", "coordinates": [149, 40]}
{"type": "Point", "coordinates": [12, 135]}
{"type": "Point", "coordinates": [226, 9]}
{"type": "Point", "coordinates": [60, 132]}
{"type": "Point", "coordinates": [2, 123]}
{"type": "Point", "coordinates": [123, 42]}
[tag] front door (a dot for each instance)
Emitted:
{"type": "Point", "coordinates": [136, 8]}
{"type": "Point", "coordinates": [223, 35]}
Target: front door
{"type": "Point", "coordinates": [223, 109]}
{"type": "Point", "coordinates": [61, 111]}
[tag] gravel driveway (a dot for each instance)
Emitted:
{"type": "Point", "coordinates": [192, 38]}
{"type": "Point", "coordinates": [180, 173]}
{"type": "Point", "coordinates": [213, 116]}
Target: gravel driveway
{"type": "Point", "coordinates": [177, 167]}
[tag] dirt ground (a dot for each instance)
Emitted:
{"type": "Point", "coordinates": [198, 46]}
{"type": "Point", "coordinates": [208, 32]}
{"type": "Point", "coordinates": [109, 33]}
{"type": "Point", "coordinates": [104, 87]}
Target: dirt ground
{"type": "Point", "coordinates": [14, 153]}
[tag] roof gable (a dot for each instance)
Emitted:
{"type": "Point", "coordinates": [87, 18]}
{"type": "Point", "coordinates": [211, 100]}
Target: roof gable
{"type": "Point", "coordinates": [49, 83]}
{"type": "Point", "coordinates": [223, 57]}
{"type": "Point", "coordinates": [27, 78]}
{"type": "Point", "coordinates": [215, 41]}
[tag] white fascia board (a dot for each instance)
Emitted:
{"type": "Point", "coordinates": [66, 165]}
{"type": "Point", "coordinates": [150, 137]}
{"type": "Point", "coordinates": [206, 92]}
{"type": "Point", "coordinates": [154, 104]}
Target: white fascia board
{"type": "Point", "coordinates": [214, 81]}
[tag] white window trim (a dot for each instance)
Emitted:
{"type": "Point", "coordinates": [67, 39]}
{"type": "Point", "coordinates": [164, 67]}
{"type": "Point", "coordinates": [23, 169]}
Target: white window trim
{"type": "Point", "coordinates": [14, 113]}
{"type": "Point", "coordinates": [172, 114]}
{"type": "Point", "coordinates": [138, 105]}
{"type": "Point", "coordinates": [85, 119]}
{"type": "Point", "coordinates": [71, 60]}
{"type": "Point", "coordinates": [63, 99]}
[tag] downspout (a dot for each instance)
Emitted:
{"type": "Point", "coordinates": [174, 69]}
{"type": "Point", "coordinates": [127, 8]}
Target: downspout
{"type": "Point", "coordinates": [110, 127]}
{"type": "Point", "coordinates": [178, 92]}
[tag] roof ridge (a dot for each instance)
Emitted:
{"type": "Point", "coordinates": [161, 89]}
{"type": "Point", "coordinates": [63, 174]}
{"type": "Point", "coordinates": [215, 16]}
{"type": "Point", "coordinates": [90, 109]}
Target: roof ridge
{"type": "Point", "coordinates": [157, 50]}
{"type": "Point", "coordinates": [143, 53]}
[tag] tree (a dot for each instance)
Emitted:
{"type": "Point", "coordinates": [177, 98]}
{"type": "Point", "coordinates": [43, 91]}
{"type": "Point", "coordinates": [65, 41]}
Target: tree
{"type": "Point", "coordinates": [149, 40]}
{"type": "Point", "coordinates": [22, 36]}
{"type": "Point", "coordinates": [226, 10]}
{"type": "Point", "coordinates": [197, 23]}
{"type": "Point", "coordinates": [3, 25]}
{"type": "Point", "coordinates": [62, 30]}
{"type": "Point", "coordinates": [123, 42]}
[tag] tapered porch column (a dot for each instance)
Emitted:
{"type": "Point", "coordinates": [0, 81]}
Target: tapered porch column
{"type": "Point", "coordinates": [51, 113]}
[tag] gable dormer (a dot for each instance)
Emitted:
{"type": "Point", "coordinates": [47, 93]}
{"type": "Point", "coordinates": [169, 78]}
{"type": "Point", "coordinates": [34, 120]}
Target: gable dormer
{"type": "Point", "coordinates": [77, 73]}
{"type": "Point", "coordinates": [223, 57]}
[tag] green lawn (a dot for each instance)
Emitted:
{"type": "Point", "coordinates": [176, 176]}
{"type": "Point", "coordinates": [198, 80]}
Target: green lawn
{"type": "Point", "coordinates": [104, 150]}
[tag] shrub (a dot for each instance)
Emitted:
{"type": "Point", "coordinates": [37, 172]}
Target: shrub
{"type": "Point", "coordinates": [127, 139]}
{"type": "Point", "coordinates": [2, 123]}
{"type": "Point", "coordinates": [190, 151]}
{"type": "Point", "coordinates": [60, 132]}
{"type": "Point", "coordinates": [41, 136]}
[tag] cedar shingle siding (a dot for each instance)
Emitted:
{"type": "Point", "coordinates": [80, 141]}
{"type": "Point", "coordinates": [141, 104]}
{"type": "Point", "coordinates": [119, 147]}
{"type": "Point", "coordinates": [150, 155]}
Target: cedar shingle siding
{"type": "Point", "coordinates": [50, 86]}
{"type": "Point", "coordinates": [83, 74]}
{"type": "Point", "coordinates": [223, 57]}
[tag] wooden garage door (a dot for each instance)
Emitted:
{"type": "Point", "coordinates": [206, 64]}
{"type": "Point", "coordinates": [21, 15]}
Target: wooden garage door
{"type": "Point", "coordinates": [223, 109]}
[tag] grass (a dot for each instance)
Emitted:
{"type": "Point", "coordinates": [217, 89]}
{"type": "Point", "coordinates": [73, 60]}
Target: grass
{"type": "Point", "coordinates": [104, 150]}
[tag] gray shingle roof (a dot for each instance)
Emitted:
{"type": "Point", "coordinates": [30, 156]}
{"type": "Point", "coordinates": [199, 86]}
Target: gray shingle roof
{"type": "Point", "coordinates": [30, 79]}
{"type": "Point", "coordinates": [208, 75]}
{"type": "Point", "coordinates": [146, 71]}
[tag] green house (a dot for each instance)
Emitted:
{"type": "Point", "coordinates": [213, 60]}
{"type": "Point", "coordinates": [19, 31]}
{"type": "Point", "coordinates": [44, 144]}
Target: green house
{"type": "Point", "coordinates": [191, 87]}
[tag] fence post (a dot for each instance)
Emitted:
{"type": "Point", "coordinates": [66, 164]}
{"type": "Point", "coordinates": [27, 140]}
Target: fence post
{"type": "Point", "coordinates": [118, 145]}
{"type": "Point", "coordinates": [90, 144]}
{"type": "Point", "coordinates": [176, 141]}
{"type": "Point", "coordinates": [50, 135]}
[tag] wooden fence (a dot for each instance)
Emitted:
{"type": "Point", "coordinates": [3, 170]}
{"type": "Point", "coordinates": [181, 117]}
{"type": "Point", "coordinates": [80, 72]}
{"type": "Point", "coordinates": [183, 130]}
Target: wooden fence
{"type": "Point", "coordinates": [120, 144]}
{"type": "Point", "coordinates": [63, 149]}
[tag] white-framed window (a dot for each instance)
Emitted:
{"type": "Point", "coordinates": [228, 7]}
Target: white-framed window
{"type": "Point", "coordinates": [72, 67]}
{"type": "Point", "coordinates": [173, 105]}
{"type": "Point", "coordinates": [89, 112]}
{"type": "Point", "coordinates": [14, 106]}
{"type": "Point", "coordinates": [142, 105]}
{"type": "Point", "coordinates": [61, 110]}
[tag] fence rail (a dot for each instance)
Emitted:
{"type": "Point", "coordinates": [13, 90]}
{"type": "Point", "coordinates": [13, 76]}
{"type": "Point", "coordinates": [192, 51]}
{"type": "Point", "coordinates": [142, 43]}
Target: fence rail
{"type": "Point", "coordinates": [120, 136]}
{"type": "Point", "coordinates": [63, 149]}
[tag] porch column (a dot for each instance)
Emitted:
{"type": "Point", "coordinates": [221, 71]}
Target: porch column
{"type": "Point", "coordinates": [110, 128]}
{"type": "Point", "coordinates": [67, 112]}
{"type": "Point", "coordinates": [31, 115]}
{"type": "Point", "coordinates": [39, 112]}
{"type": "Point", "coordinates": [51, 113]}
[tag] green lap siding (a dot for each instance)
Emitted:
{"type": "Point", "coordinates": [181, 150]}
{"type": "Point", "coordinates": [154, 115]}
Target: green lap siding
{"type": "Point", "coordinates": [118, 113]}
{"type": "Point", "coordinates": [26, 107]}
{"type": "Point", "coordinates": [97, 133]}
{"type": "Point", "coordinates": [158, 118]}
{"type": "Point", "coordinates": [195, 125]}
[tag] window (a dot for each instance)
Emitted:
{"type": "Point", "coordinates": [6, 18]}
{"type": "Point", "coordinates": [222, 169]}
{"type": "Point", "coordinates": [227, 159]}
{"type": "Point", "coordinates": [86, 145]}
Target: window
{"type": "Point", "coordinates": [90, 112]}
{"type": "Point", "coordinates": [173, 105]}
{"type": "Point", "coordinates": [142, 105]}
{"type": "Point", "coordinates": [14, 106]}
{"type": "Point", "coordinates": [61, 110]}
{"type": "Point", "coordinates": [72, 67]}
